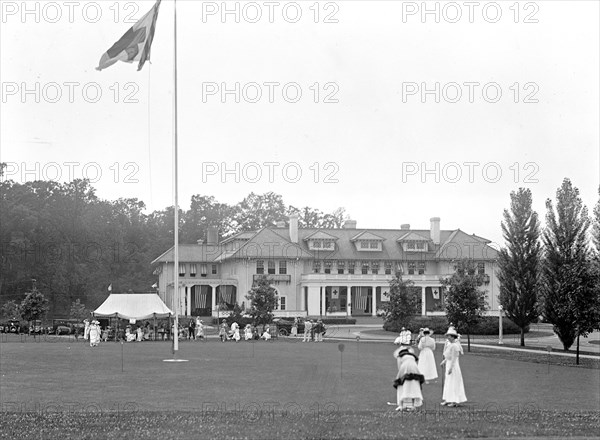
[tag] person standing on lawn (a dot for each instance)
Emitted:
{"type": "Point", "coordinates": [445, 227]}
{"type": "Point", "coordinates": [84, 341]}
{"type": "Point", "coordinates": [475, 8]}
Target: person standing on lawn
{"type": "Point", "coordinates": [426, 358]}
{"type": "Point", "coordinates": [248, 332]}
{"type": "Point", "coordinates": [200, 329]}
{"type": "Point", "coordinates": [307, 330]}
{"type": "Point", "coordinates": [192, 329]}
{"type": "Point", "coordinates": [86, 329]}
{"type": "Point", "coordinates": [454, 388]}
{"type": "Point", "coordinates": [235, 331]}
{"type": "Point", "coordinates": [294, 331]}
{"type": "Point", "coordinates": [408, 381]}
{"type": "Point", "coordinates": [223, 331]}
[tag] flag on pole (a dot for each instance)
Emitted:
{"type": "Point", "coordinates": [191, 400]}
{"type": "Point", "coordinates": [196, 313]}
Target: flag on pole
{"type": "Point", "coordinates": [135, 44]}
{"type": "Point", "coordinates": [110, 287]}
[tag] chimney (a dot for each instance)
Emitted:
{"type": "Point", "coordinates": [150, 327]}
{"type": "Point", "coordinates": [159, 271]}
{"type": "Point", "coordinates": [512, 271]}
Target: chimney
{"type": "Point", "coordinates": [350, 224]}
{"type": "Point", "coordinates": [212, 235]}
{"type": "Point", "coordinates": [294, 228]}
{"type": "Point", "coordinates": [280, 224]}
{"type": "Point", "coordinates": [200, 241]}
{"type": "Point", "coordinates": [435, 230]}
{"type": "Point", "coordinates": [405, 226]}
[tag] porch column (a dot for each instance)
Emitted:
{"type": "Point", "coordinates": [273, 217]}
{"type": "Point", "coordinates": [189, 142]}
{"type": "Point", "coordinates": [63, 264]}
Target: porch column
{"type": "Point", "coordinates": [423, 307]}
{"type": "Point", "coordinates": [349, 301]}
{"type": "Point", "coordinates": [323, 295]}
{"type": "Point", "coordinates": [374, 301]}
{"type": "Point", "coordinates": [188, 291]}
{"type": "Point", "coordinates": [213, 298]}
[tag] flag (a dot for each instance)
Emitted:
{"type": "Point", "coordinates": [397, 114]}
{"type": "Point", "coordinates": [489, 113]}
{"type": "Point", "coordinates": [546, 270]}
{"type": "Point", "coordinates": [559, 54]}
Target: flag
{"type": "Point", "coordinates": [110, 288]}
{"type": "Point", "coordinates": [135, 44]}
{"type": "Point", "coordinates": [155, 285]}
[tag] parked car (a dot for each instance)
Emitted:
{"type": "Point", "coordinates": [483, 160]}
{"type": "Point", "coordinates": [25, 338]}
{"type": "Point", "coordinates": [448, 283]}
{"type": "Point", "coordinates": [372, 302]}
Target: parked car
{"type": "Point", "coordinates": [284, 326]}
{"type": "Point", "coordinates": [13, 326]}
{"type": "Point", "coordinates": [36, 327]}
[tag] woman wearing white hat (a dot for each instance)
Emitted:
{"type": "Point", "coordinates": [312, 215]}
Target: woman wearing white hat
{"type": "Point", "coordinates": [94, 333]}
{"type": "Point", "coordinates": [426, 358]}
{"type": "Point", "coordinates": [408, 380]}
{"type": "Point", "coordinates": [454, 388]}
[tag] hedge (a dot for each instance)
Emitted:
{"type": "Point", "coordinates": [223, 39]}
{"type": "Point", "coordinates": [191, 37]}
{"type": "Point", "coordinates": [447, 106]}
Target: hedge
{"type": "Point", "coordinates": [488, 325]}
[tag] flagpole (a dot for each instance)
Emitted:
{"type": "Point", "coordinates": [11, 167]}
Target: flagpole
{"type": "Point", "coordinates": [175, 190]}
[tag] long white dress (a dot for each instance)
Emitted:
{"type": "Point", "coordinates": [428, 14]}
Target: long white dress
{"type": "Point", "coordinates": [86, 330]}
{"type": "Point", "coordinates": [248, 333]}
{"type": "Point", "coordinates": [454, 388]}
{"type": "Point", "coordinates": [94, 335]}
{"type": "Point", "coordinates": [426, 358]}
{"type": "Point", "coordinates": [408, 393]}
{"type": "Point", "coordinates": [235, 328]}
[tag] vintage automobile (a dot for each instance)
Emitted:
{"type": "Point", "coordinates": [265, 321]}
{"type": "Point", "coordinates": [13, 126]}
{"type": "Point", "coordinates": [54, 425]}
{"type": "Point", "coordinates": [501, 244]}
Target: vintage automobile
{"type": "Point", "coordinates": [13, 326]}
{"type": "Point", "coordinates": [284, 326]}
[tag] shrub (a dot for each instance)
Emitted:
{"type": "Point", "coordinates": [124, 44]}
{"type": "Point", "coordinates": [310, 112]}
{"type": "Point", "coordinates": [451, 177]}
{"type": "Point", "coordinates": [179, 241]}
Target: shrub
{"type": "Point", "coordinates": [439, 325]}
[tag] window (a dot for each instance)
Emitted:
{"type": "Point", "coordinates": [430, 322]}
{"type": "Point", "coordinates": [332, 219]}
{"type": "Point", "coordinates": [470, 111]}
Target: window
{"type": "Point", "coordinates": [481, 268]}
{"type": "Point", "coordinates": [374, 267]}
{"type": "Point", "coordinates": [181, 270]}
{"type": "Point", "coordinates": [214, 269]}
{"type": "Point", "coordinates": [388, 268]}
{"type": "Point", "coordinates": [340, 271]}
{"type": "Point", "coordinates": [328, 244]}
{"type": "Point", "coordinates": [365, 268]}
{"type": "Point", "coordinates": [416, 267]}
{"type": "Point", "coordinates": [351, 265]}
{"type": "Point", "coordinates": [203, 270]}
{"type": "Point", "coordinates": [193, 270]}
{"type": "Point", "coordinates": [260, 267]}
{"type": "Point", "coordinates": [271, 266]}
{"type": "Point", "coordinates": [316, 244]}
{"type": "Point", "coordinates": [328, 264]}
{"type": "Point", "coordinates": [340, 267]}
{"type": "Point", "coordinates": [282, 303]}
{"type": "Point", "coordinates": [316, 266]}
{"type": "Point", "coordinates": [410, 246]}
{"type": "Point", "coordinates": [364, 244]}
{"type": "Point", "coordinates": [374, 245]}
{"type": "Point", "coordinates": [283, 267]}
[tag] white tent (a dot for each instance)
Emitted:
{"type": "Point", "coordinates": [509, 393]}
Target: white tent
{"type": "Point", "coordinates": [133, 306]}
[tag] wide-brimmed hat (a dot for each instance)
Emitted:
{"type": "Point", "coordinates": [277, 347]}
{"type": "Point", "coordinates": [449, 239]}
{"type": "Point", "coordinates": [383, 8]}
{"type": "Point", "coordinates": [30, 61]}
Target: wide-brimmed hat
{"type": "Point", "coordinates": [403, 351]}
{"type": "Point", "coordinates": [426, 330]}
{"type": "Point", "coordinates": [452, 332]}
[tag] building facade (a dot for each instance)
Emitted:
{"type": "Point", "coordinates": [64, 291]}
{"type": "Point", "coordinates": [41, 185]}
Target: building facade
{"type": "Point", "coordinates": [323, 272]}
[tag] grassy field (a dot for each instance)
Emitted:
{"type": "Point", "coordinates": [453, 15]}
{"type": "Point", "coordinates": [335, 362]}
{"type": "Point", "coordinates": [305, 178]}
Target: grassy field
{"type": "Point", "coordinates": [274, 390]}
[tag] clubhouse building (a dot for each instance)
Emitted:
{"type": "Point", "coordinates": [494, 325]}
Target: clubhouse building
{"type": "Point", "coordinates": [322, 272]}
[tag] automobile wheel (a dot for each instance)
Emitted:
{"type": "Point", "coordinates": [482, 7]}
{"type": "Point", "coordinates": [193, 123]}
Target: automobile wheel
{"type": "Point", "coordinates": [283, 332]}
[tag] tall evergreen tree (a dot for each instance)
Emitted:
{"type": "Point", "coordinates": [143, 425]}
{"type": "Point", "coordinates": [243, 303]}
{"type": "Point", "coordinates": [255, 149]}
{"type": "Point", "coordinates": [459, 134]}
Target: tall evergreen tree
{"type": "Point", "coordinates": [263, 300]}
{"type": "Point", "coordinates": [519, 261]}
{"type": "Point", "coordinates": [465, 302]}
{"type": "Point", "coordinates": [569, 301]}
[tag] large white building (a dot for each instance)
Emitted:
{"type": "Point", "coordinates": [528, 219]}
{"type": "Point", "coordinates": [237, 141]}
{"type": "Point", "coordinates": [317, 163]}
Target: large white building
{"type": "Point", "coordinates": [323, 272]}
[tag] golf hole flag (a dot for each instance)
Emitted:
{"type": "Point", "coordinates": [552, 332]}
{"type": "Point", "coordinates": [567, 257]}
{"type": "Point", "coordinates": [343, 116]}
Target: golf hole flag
{"type": "Point", "coordinates": [135, 44]}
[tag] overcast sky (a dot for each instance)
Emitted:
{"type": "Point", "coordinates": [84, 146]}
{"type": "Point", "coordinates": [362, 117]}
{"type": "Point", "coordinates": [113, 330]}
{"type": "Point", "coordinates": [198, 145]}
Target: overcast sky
{"type": "Point", "coordinates": [517, 91]}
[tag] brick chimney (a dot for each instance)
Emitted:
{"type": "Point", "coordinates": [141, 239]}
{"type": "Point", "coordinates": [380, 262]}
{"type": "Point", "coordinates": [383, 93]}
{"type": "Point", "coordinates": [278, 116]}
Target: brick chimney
{"type": "Point", "coordinates": [405, 226]}
{"type": "Point", "coordinates": [435, 230]}
{"type": "Point", "coordinates": [280, 224]}
{"type": "Point", "coordinates": [212, 235]}
{"type": "Point", "coordinates": [294, 228]}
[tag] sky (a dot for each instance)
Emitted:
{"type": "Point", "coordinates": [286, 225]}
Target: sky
{"type": "Point", "coordinates": [396, 111]}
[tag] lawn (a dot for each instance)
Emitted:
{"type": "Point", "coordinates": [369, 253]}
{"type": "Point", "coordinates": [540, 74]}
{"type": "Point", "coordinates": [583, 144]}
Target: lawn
{"type": "Point", "coordinates": [275, 389]}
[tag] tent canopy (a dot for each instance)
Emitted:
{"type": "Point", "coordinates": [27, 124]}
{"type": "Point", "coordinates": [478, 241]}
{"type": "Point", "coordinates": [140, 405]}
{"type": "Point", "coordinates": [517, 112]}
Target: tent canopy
{"type": "Point", "coordinates": [133, 306]}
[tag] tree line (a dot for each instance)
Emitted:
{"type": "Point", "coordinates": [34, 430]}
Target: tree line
{"type": "Point", "coordinates": [76, 244]}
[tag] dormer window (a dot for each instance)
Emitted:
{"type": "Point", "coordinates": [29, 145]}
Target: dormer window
{"type": "Point", "coordinates": [415, 246]}
{"type": "Point", "coordinates": [318, 244]}
{"type": "Point", "coordinates": [369, 245]}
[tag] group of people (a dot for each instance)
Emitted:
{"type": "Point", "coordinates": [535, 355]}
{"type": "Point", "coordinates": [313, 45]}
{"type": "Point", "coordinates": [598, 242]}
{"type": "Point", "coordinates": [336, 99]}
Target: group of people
{"type": "Point", "coordinates": [415, 370]}
{"type": "Point", "coordinates": [232, 333]}
{"type": "Point", "coordinates": [312, 331]}
{"type": "Point", "coordinates": [92, 332]}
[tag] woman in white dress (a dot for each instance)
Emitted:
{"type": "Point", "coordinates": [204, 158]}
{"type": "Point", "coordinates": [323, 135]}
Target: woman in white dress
{"type": "Point", "coordinates": [248, 332]}
{"type": "Point", "coordinates": [426, 363]}
{"type": "Point", "coordinates": [199, 329]}
{"type": "Point", "coordinates": [86, 329]}
{"type": "Point", "coordinates": [408, 381]}
{"type": "Point", "coordinates": [266, 335]}
{"type": "Point", "coordinates": [94, 334]}
{"type": "Point", "coordinates": [454, 388]}
{"type": "Point", "coordinates": [129, 337]}
{"type": "Point", "coordinates": [140, 334]}
{"type": "Point", "coordinates": [235, 330]}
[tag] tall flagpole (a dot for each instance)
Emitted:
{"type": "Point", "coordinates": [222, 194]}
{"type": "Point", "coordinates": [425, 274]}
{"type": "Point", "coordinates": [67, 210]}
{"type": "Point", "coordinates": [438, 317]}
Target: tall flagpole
{"type": "Point", "coordinates": [175, 191]}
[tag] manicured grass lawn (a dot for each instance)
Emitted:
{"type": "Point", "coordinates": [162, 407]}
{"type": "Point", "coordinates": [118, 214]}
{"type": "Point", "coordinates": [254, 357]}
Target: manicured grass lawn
{"type": "Point", "coordinates": [275, 390]}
